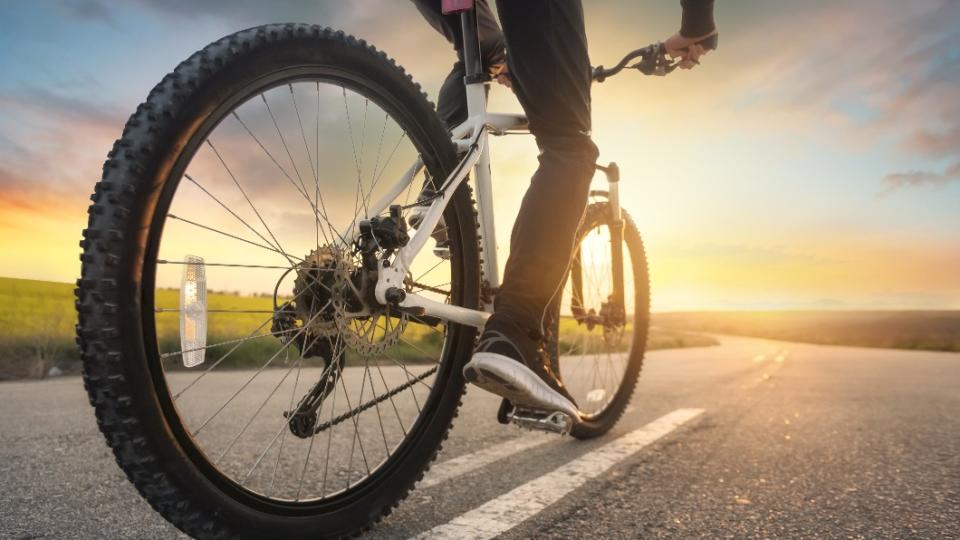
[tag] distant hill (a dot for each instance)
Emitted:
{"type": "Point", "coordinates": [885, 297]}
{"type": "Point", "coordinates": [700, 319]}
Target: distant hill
{"type": "Point", "coordinates": [922, 330]}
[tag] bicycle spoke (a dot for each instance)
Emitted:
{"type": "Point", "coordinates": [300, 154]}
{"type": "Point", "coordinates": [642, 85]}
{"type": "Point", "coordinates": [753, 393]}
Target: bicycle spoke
{"type": "Point", "coordinates": [235, 237]}
{"type": "Point", "coordinates": [316, 195]}
{"type": "Point", "coordinates": [178, 310]}
{"type": "Point", "coordinates": [237, 343]}
{"type": "Point", "coordinates": [353, 146]}
{"type": "Point", "coordinates": [326, 464]}
{"type": "Point", "coordinates": [282, 432]}
{"type": "Point", "coordinates": [231, 418]}
{"type": "Point", "coordinates": [376, 180]}
{"type": "Point", "coordinates": [283, 141]}
{"type": "Point", "coordinates": [303, 134]}
{"type": "Point", "coordinates": [386, 446]}
{"type": "Point", "coordinates": [392, 402]}
{"type": "Point", "coordinates": [244, 193]}
{"type": "Point", "coordinates": [274, 245]}
{"type": "Point", "coordinates": [286, 175]}
{"type": "Point", "coordinates": [363, 144]}
{"type": "Point", "coordinates": [228, 342]}
{"type": "Point", "coordinates": [234, 265]}
{"type": "Point", "coordinates": [258, 372]}
{"type": "Point", "coordinates": [259, 409]}
{"type": "Point", "coordinates": [383, 129]}
{"type": "Point", "coordinates": [431, 269]}
{"type": "Point", "coordinates": [356, 430]}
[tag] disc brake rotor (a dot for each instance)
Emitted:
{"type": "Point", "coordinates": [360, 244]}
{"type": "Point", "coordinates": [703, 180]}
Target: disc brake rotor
{"type": "Point", "coordinates": [375, 328]}
{"type": "Point", "coordinates": [335, 300]}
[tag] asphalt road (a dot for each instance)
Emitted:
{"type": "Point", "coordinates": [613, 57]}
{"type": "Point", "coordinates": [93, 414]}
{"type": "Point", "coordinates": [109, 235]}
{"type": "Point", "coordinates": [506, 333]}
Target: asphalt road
{"type": "Point", "coordinates": [792, 441]}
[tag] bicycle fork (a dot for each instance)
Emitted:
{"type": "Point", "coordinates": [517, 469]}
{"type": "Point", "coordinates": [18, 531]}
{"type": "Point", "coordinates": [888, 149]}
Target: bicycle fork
{"type": "Point", "coordinates": [616, 299]}
{"type": "Point", "coordinates": [613, 310]}
{"type": "Point", "coordinates": [612, 171]}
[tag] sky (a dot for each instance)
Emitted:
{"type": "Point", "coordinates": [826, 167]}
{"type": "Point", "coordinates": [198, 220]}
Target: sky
{"type": "Point", "coordinates": [811, 162]}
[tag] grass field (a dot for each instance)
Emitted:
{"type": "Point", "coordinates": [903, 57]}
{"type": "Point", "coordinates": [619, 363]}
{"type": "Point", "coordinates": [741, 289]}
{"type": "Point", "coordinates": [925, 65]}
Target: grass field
{"type": "Point", "coordinates": [38, 321]}
{"type": "Point", "coordinates": [920, 330]}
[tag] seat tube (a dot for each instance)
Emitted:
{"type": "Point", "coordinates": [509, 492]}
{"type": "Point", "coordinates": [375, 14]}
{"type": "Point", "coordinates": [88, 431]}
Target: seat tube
{"type": "Point", "coordinates": [475, 80]}
{"type": "Point", "coordinates": [474, 77]}
{"type": "Point", "coordinates": [488, 239]}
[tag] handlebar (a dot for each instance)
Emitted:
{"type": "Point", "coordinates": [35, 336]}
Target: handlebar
{"type": "Point", "coordinates": [653, 60]}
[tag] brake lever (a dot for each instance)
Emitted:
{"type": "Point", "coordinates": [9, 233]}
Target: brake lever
{"type": "Point", "coordinates": [656, 64]}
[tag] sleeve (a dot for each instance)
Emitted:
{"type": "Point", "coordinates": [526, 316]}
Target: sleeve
{"type": "Point", "coordinates": [697, 18]}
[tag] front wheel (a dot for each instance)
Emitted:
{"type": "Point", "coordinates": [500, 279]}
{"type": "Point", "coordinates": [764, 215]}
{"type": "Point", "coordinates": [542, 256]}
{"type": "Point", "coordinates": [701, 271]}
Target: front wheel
{"type": "Point", "coordinates": [286, 403]}
{"type": "Point", "coordinates": [600, 336]}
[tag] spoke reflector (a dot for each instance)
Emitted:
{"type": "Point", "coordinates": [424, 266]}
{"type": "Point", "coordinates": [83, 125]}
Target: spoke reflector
{"type": "Point", "coordinates": [193, 311]}
{"type": "Point", "coordinates": [597, 394]}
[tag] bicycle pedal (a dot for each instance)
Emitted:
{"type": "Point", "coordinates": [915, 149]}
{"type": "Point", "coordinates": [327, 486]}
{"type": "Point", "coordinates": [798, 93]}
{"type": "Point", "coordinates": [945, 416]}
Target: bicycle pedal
{"type": "Point", "coordinates": [540, 420]}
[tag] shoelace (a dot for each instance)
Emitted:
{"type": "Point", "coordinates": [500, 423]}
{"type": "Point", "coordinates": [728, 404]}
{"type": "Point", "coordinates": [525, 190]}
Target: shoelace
{"type": "Point", "coordinates": [493, 337]}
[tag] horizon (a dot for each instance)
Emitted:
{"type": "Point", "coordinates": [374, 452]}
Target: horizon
{"type": "Point", "coordinates": [813, 175]}
{"type": "Point", "coordinates": [654, 311]}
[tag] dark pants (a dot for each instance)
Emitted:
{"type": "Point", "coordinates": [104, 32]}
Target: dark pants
{"type": "Point", "coordinates": [550, 70]}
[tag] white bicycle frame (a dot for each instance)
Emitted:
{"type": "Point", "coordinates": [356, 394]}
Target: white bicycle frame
{"type": "Point", "coordinates": [471, 137]}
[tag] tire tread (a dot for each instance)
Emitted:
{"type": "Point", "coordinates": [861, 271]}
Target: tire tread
{"type": "Point", "coordinates": [98, 293]}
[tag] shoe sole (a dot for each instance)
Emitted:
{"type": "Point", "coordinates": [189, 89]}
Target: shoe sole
{"type": "Point", "coordinates": [514, 381]}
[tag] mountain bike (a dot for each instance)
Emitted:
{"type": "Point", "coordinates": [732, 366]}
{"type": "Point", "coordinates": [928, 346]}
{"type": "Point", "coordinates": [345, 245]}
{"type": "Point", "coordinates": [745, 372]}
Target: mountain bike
{"type": "Point", "coordinates": [270, 348]}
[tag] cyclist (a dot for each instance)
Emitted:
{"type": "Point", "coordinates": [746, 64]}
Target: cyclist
{"type": "Point", "coordinates": [541, 53]}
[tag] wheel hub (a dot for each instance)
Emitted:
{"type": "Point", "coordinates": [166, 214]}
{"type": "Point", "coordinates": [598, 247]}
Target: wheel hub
{"type": "Point", "coordinates": [334, 300]}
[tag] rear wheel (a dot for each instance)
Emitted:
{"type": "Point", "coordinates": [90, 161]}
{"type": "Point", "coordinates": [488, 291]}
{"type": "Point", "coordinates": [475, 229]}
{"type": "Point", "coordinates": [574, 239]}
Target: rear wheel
{"type": "Point", "coordinates": [598, 343]}
{"type": "Point", "coordinates": [310, 410]}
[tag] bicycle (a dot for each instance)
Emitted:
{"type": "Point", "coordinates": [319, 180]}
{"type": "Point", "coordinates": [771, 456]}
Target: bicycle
{"type": "Point", "coordinates": [359, 293]}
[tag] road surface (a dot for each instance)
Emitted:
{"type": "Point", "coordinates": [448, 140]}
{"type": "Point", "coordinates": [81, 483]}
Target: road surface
{"type": "Point", "coordinates": [749, 439]}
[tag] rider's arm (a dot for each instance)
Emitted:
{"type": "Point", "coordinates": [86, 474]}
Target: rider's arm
{"type": "Point", "coordinates": [697, 19]}
{"type": "Point", "coordinates": [696, 24]}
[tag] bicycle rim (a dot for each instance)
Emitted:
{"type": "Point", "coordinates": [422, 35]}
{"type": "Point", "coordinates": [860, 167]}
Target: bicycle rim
{"type": "Point", "coordinates": [241, 199]}
{"type": "Point", "coordinates": [595, 342]}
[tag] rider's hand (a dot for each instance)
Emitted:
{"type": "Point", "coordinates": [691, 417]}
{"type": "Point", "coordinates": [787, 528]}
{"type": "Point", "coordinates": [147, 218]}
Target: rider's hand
{"type": "Point", "coordinates": [503, 76]}
{"type": "Point", "coordinates": [686, 48]}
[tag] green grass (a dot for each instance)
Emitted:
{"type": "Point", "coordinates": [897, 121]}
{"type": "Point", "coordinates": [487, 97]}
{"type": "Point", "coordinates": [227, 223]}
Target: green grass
{"type": "Point", "coordinates": [38, 319]}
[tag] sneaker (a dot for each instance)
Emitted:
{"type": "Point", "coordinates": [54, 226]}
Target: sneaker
{"type": "Point", "coordinates": [512, 364]}
{"type": "Point", "coordinates": [416, 216]}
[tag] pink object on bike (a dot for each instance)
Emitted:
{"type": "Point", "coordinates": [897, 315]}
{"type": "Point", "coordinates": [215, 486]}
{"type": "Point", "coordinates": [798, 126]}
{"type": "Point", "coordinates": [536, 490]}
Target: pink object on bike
{"type": "Point", "coordinates": [456, 6]}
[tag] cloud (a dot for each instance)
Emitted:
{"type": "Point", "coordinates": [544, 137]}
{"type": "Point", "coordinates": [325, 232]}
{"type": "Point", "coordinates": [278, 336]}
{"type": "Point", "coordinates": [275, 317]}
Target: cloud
{"type": "Point", "coordinates": [87, 10]}
{"type": "Point", "coordinates": [756, 255]}
{"type": "Point", "coordinates": [935, 143]}
{"type": "Point", "coordinates": [891, 83]}
{"type": "Point", "coordinates": [38, 106]}
{"type": "Point", "coordinates": [922, 178]}
{"type": "Point", "coordinates": [58, 145]}
{"type": "Point", "coordinates": [245, 13]}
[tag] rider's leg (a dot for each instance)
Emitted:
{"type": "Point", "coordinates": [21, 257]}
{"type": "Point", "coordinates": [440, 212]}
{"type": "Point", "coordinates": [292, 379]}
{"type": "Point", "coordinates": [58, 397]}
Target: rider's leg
{"type": "Point", "coordinates": [551, 73]}
{"type": "Point", "coordinates": [452, 104]}
{"type": "Point", "coordinates": [551, 77]}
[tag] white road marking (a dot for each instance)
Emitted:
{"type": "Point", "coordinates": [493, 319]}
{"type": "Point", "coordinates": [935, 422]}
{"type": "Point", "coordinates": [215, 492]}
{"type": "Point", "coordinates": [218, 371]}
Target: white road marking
{"type": "Point", "coordinates": [481, 458]}
{"type": "Point", "coordinates": [509, 510]}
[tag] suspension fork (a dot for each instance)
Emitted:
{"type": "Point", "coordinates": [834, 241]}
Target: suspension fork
{"type": "Point", "coordinates": [616, 299]}
{"type": "Point", "coordinates": [612, 171]}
